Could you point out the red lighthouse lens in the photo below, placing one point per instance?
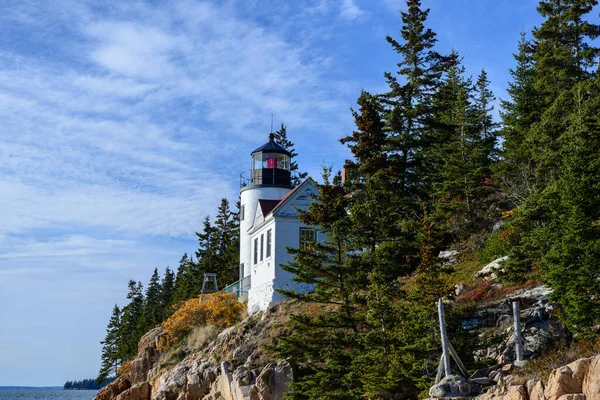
(271, 162)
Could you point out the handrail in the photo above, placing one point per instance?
(246, 178)
(239, 288)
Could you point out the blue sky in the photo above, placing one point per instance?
(122, 124)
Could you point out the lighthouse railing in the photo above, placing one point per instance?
(246, 179)
(239, 288)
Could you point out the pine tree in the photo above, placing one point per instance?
(110, 352)
(207, 248)
(563, 59)
(153, 309)
(410, 99)
(167, 292)
(131, 330)
(227, 244)
(516, 172)
(458, 155)
(282, 139)
(181, 278)
(571, 264)
(324, 342)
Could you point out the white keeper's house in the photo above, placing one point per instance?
(268, 224)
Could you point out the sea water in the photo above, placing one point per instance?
(46, 394)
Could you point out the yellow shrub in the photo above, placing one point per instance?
(217, 309)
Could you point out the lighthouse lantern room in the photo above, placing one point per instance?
(271, 165)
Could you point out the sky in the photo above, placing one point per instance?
(123, 123)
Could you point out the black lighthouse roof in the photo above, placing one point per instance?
(272, 147)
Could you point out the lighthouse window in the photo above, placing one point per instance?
(242, 212)
(270, 161)
(307, 236)
(269, 243)
(262, 246)
(255, 250)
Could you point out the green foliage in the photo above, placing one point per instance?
(110, 357)
(153, 311)
(553, 129)
(131, 327)
(282, 139)
(87, 384)
(498, 244)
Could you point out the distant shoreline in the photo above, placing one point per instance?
(30, 387)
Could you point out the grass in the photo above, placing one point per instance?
(465, 272)
(561, 355)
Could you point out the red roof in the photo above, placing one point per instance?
(267, 206)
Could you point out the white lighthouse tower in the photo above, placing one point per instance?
(269, 179)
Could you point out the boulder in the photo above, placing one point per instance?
(484, 381)
(450, 386)
(448, 257)
(272, 382)
(146, 356)
(112, 390)
(567, 380)
(591, 382)
(535, 389)
(137, 392)
(572, 396)
(489, 271)
(516, 392)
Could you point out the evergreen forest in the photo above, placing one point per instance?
(86, 384)
(434, 167)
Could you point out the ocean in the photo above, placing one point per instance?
(45, 394)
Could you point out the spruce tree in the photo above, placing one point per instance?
(181, 278)
(458, 155)
(563, 59)
(207, 248)
(227, 245)
(516, 172)
(167, 292)
(571, 264)
(409, 102)
(282, 139)
(324, 342)
(153, 309)
(110, 357)
(131, 329)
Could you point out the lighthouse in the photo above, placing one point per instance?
(269, 179)
(269, 224)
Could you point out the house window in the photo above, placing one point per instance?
(269, 243)
(307, 235)
(242, 212)
(262, 246)
(255, 250)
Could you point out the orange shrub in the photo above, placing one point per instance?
(478, 293)
(124, 369)
(217, 309)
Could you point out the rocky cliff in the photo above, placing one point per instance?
(234, 365)
(579, 380)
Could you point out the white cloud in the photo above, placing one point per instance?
(350, 10)
(128, 142)
(133, 49)
(395, 5)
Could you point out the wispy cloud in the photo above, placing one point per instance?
(129, 142)
(122, 124)
(350, 10)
